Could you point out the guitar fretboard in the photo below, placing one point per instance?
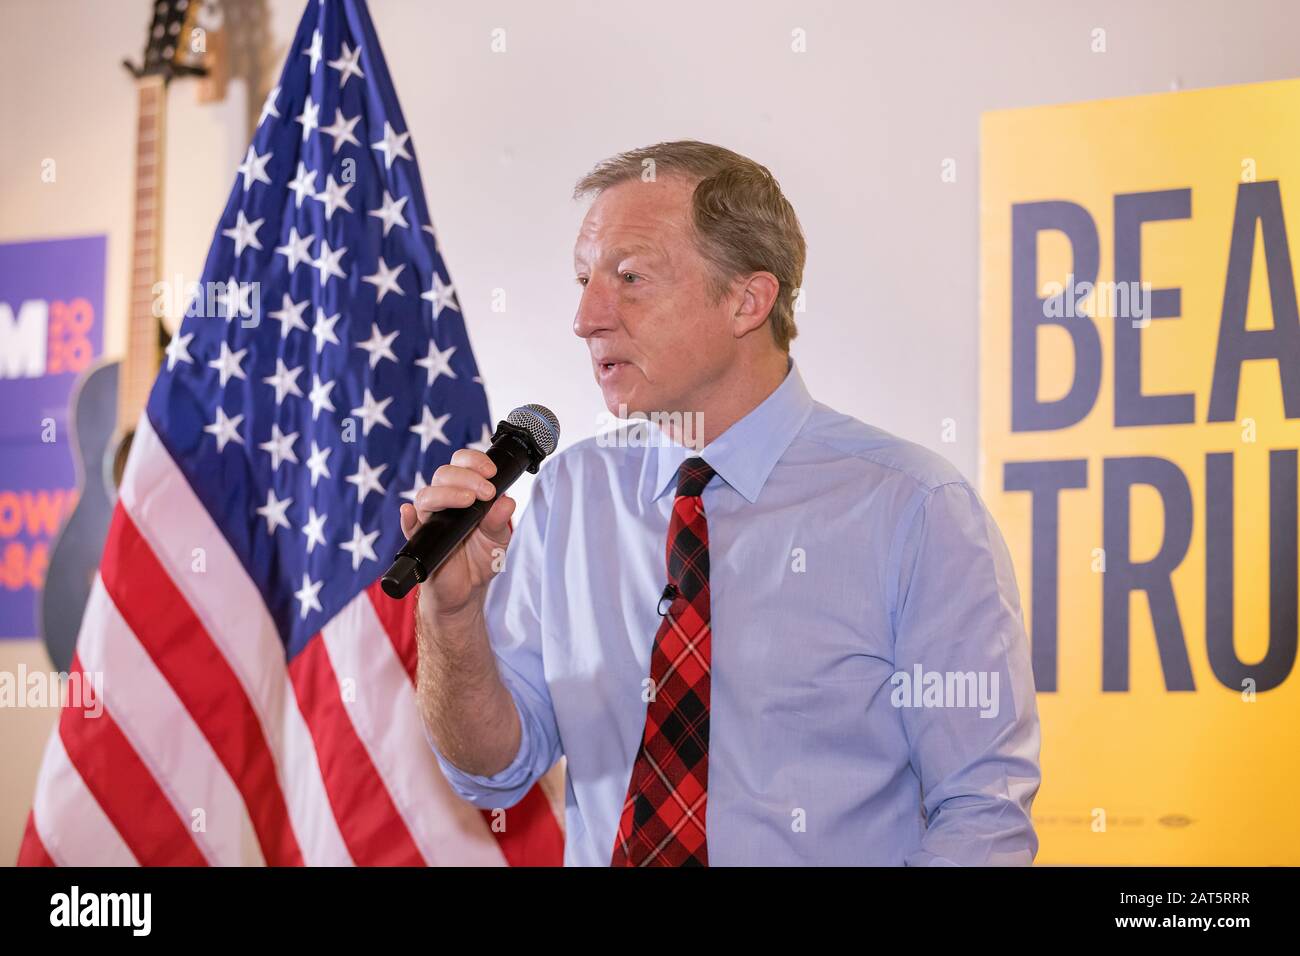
(140, 364)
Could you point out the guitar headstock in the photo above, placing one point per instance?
(175, 45)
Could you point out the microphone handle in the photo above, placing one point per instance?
(435, 540)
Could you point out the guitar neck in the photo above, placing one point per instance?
(140, 364)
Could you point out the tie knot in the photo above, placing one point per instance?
(692, 476)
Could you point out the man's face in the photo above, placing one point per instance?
(657, 340)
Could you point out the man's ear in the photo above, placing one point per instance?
(758, 292)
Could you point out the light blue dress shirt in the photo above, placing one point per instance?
(872, 696)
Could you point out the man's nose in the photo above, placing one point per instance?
(596, 311)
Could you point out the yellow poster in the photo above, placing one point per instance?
(1140, 419)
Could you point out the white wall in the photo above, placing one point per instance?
(856, 129)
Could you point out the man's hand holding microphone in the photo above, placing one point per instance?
(457, 531)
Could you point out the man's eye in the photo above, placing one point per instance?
(581, 280)
(630, 277)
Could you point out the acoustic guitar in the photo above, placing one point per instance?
(109, 399)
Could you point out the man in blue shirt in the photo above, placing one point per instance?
(759, 631)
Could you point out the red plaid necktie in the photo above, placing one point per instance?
(662, 823)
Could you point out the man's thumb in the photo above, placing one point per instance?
(496, 523)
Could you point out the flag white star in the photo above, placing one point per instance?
(442, 295)
(235, 298)
(429, 230)
(371, 412)
(334, 196)
(285, 380)
(437, 363)
(296, 250)
(361, 547)
(366, 479)
(244, 232)
(177, 350)
(314, 529)
(320, 395)
(484, 442)
(346, 64)
(227, 364)
(393, 145)
(309, 117)
(323, 329)
(384, 280)
(430, 428)
(280, 446)
(415, 489)
(268, 106)
(328, 262)
(253, 168)
(314, 51)
(378, 345)
(307, 595)
(390, 213)
(289, 315)
(226, 429)
(316, 462)
(341, 130)
(303, 185)
(273, 511)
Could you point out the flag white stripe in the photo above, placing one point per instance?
(384, 713)
(71, 824)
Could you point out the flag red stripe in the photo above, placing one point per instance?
(187, 657)
(125, 789)
(375, 833)
(32, 852)
(532, 836)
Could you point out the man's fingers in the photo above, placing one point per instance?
(464, 478)
(457, 484)
(495, 524)
(452, 487)
(474, 460)
(440, 497)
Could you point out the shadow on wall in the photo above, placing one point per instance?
(241, 48)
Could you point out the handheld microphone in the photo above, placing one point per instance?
(527, 435)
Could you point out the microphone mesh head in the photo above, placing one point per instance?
(540, 423)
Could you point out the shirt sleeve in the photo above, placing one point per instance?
(972, 727)
(514, 626)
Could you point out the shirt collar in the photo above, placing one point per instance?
(745, 454)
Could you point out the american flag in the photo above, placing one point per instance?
(257, 686)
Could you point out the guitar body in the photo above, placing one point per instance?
(74, 559)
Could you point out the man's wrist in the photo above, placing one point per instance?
(449, 627)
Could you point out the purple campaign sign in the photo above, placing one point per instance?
(51, 330)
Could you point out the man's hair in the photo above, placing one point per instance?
(743, 222)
